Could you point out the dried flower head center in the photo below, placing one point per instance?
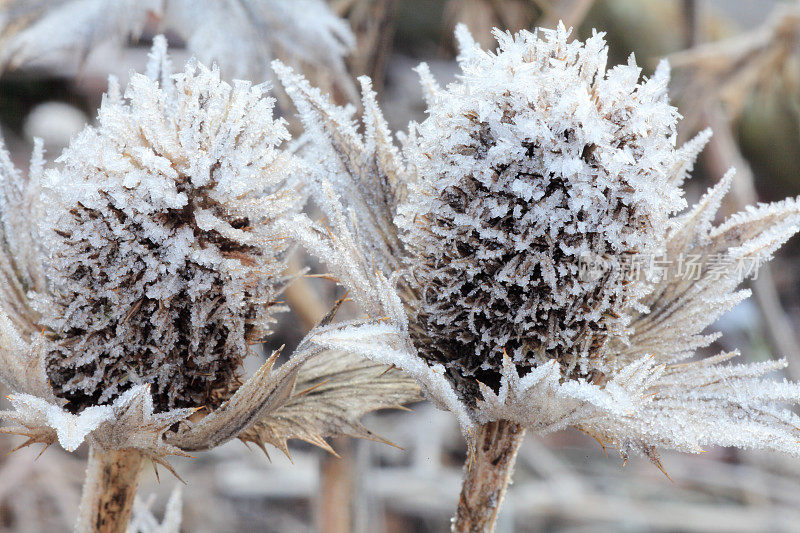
(165, 263)
(534, 161)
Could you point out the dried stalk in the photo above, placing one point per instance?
(373, 23)
(494, 449)
(335, 505)
(335, 500)
(108, 491)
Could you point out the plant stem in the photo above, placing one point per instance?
(487, 475)
(337, 486)
(111, 481)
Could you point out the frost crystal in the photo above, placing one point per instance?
(165, 259)
(472, 243)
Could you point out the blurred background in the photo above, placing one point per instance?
(736, 68)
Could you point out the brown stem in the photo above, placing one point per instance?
(487, 475)
(335, 507)
(108, 491)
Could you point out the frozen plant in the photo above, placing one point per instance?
(537, 158)
(142, 270)
(241, 36)
(143, 520)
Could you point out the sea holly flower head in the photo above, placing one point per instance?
(146, 266)
(536, 162)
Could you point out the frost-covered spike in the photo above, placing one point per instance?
(262, 393)
(467, 46)
(542, 401)
(384, 343)
(21, 264)
(661, 76)
(430, 87)
(751, 255)
(340, 249)
(36, 168)
(696, 224)
(754, 221)
(379, 147)
(686, 235)
(316, 110)
(687, 156)
(13, 354)
(713, 405)
(364, 171)
(22, 363)
(159, 64)
(135, 425)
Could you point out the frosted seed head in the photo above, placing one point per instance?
(165, 259)
(534, 161)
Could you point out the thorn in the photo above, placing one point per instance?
(168, 466)
(661, 467)
(272, 358)
(263, 448)
(320, 442)
(46, 445)
(318, 385)
(602, 445)
(393, 367)
(378, 438)
(328, 318)
(288, 455)
(23, 445)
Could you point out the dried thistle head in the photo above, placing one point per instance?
(166, 252)
(536, 160)
(165, 261)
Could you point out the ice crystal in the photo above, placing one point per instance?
(165, 258)
(536, 159)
